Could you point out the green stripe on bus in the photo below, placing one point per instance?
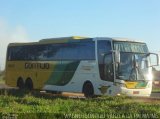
(141, 84)
(63, 73)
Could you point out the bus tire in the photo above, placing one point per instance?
(29, 84)
(20, 83)
(88, 90)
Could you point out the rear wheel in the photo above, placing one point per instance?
(88, 90)
(29, 84)
(20, 83)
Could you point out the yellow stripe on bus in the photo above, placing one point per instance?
(131, 84)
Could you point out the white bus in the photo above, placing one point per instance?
(93, 66)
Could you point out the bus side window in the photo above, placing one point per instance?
(103, 46)
(9, 54)
(16, 53)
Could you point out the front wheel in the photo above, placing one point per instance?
(88, 90)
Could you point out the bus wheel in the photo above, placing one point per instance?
(20, 83)
(29, 84)
(88, 90)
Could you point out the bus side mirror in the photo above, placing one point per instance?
(117, 56)
(154, 59)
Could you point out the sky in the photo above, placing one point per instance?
(32, 20)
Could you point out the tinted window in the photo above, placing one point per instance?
(68, 51)
(72, 51)
(30, 52)
(79, 51)
(104, 47)
(55, 51)
(16, 53)
(41, 52)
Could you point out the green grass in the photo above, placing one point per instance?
(156, 89)
(35, 106)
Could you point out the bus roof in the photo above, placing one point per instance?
(119, 39)
(54, 40)
(64, 39)
(72, 39)
(79, 38)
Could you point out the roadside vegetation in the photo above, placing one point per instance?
(27, 105)
(156, 89)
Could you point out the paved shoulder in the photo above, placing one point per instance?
(155, 95)
(2, 86)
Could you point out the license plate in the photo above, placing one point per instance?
(135, 92)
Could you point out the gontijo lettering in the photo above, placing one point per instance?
(36, 65)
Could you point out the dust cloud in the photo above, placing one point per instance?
(10, 34)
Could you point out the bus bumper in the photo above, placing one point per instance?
(136, 92)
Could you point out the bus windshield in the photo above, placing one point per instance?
(134, 61)
(133, 66)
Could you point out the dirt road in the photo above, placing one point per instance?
(153, 95)
(2, 86)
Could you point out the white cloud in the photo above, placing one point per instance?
(9, 35)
